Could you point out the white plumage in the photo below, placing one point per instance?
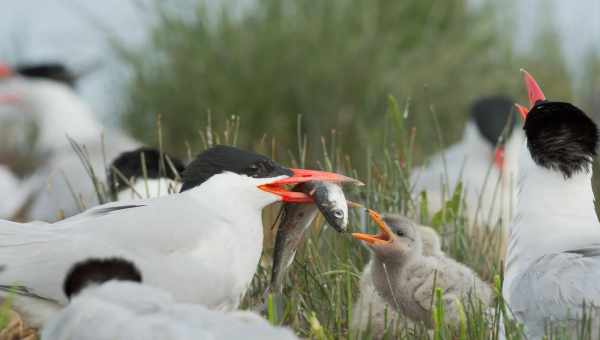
(13, 194)
(202, 245)
(118, 310)
(489, 193)
(65, 187)
(552, 266)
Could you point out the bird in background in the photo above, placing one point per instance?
(44, 94)
(552, 266)
(406, 279)
(371, 314)
(202, 245)
(485, 161)
(108, 300)
(144, 173)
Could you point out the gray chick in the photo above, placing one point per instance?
(405, 278)
(370, 312)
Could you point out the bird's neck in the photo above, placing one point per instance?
(60, 113)
(554, 214)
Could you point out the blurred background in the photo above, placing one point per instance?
(331, 64)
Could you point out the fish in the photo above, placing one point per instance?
(296, 219)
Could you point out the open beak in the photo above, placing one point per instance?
(302, 176)
(385, 233)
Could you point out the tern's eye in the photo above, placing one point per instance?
(258, 170)
(399, 233)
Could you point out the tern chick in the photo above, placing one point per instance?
(406, 279)
(370, 311)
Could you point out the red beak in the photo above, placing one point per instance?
(5, 71)
(534, 92)
(499, 158)
(523, 111)
(301, 176)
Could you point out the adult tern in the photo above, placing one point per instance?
(43, 94)
(201, 245)
(553, 259)
(109, 302)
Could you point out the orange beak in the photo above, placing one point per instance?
(499, 157)
(5, 71)
(385, 233)
(523, 111)
(302, 176)
(534, 93)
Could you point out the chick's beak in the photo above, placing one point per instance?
(385, 233)
(302, 176)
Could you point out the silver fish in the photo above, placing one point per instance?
(297, 217)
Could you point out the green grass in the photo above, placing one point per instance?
(333, 62)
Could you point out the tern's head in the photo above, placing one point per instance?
(560, 136)
(94, 271)
(397, 238)
(240, 173)
(494, 119)
(142, 166)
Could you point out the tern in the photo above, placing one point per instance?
(482, 161)
(45, 95)
(202, 245)
(13, 196)
(108, 301)
(144, 173)
(553, 258)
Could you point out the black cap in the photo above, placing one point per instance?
(560, 136)
(491, 115)
(51, 70)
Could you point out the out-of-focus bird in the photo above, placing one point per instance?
(201, 245)
(406, 279)
(485, 163)
(44, 93)
(144, 173)
(13, 193)
(109, 302)
(371, 314)
(553, 259)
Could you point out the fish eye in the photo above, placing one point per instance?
(338, 214)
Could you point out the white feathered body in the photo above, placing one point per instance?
(487, 191)
(202, 245)
(129, 311)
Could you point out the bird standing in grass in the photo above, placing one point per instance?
(202, 245)
(485, 161)
(109, 302)
(406, 279)
(552, 269)
(373, 315)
